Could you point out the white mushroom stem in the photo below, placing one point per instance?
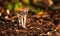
(24, 20)
(22, 17)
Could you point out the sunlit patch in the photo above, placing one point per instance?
(0, 14)
(8, 12)
(13, 20)
(6, 17)
(50, 2)
(39, 14)
(48, 33)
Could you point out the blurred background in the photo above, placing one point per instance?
(43, 18)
